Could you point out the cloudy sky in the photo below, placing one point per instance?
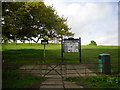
(90, 19)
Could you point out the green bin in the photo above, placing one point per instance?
(104, 65)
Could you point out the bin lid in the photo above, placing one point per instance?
(104, 54)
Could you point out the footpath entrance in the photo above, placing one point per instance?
(55, 74)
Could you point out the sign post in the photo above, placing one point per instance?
(71, 45)
(62, 50)
(80, 48)
(44, 42)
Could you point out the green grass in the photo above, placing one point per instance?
(27, 54)
(32, 54)
(15, 79)
(96, 81)
(17, 55)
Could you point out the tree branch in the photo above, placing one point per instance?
(33, 40)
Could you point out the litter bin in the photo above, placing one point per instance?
(104, 65)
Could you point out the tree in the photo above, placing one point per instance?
(93, 43)
(30, 20)
(9, 27)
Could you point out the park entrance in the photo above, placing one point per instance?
(58, 64)
(29, 59)
(69, 45)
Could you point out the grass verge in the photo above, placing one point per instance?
(97, 81)
(15, 79)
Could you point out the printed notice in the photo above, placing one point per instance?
(71, 46)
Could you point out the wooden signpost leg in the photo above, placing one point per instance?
(44, 50)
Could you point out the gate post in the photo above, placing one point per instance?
(80, 49)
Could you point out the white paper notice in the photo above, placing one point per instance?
(71, 46)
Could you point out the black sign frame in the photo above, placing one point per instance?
(71, 39)
(44, 42)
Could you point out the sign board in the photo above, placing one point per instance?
(45, 42)
(71, 46)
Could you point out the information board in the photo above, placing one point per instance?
(70, 46)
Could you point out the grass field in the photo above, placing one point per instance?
(20, 54)
(29, 54)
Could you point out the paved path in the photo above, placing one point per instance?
(55, 74)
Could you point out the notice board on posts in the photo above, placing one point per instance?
(71, 45)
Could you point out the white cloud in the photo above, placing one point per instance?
(54, 1)
(91, 21)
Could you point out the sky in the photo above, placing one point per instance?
(90, 19)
